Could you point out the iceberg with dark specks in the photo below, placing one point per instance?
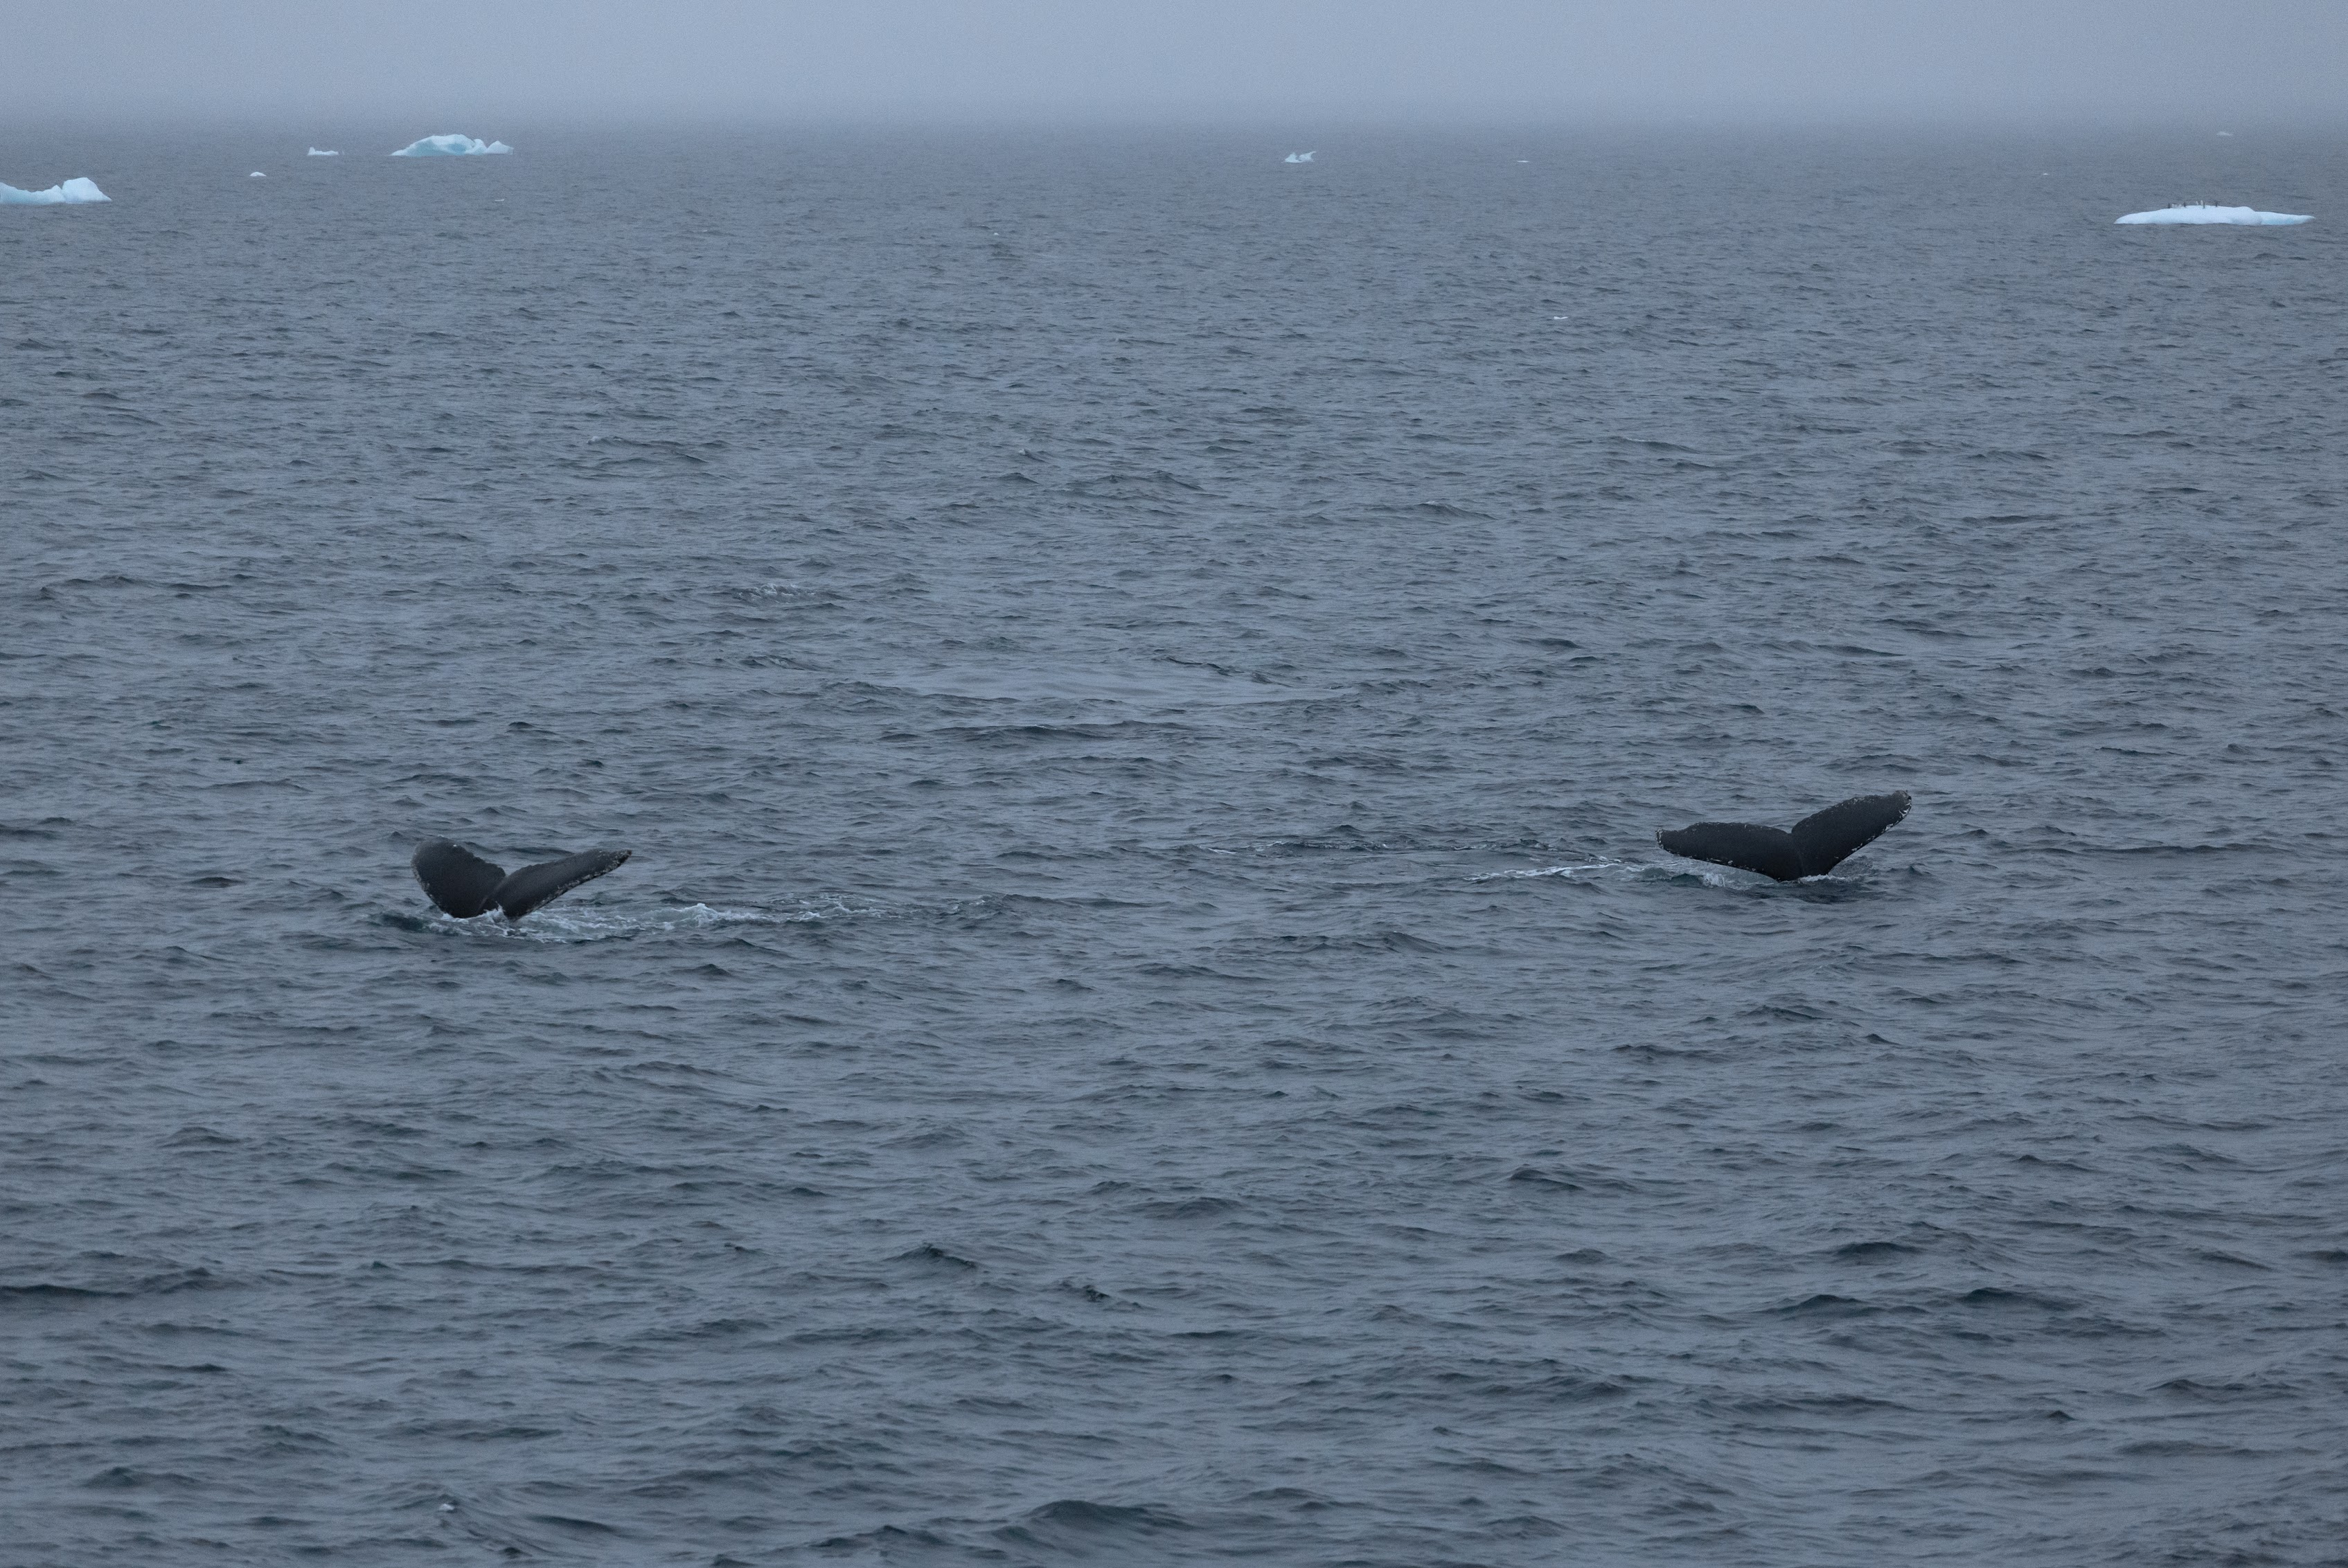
(2200, 212)
(72, 191)
(450, 147)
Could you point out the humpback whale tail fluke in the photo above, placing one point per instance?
(1818, 843)
(464, 884)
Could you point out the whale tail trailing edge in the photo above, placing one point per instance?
(1828, 838)
(535, 887)
(462, 884)
(1818, 843)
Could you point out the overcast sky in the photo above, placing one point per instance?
(490, 62)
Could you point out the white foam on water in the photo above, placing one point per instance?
(1613, 871)
(1545, 872)
(603, 922)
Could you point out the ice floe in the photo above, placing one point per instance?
(72, 191)
(450, 147)
(324, 152)
(1299, 157)
(2201, 212)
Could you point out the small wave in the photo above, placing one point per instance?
(1185, 685)
(44, 1291)
(1204, 1208)
(930, 1252)
(1077, 1526)
(168, 1283)
(882, 1539)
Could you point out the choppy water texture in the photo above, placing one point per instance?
(1146, 1022)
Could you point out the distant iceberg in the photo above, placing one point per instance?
(450, 147)
(326, 152)
(72, 191)
(256, 174)
(1299, 157)
(2200, 214)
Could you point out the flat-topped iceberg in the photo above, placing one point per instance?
(2200, 212)
(70, 191)
(450, 147)
(323, 152)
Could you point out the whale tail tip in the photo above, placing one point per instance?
(1826, 839)
(462, 883)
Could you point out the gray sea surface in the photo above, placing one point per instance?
(1147, 1023)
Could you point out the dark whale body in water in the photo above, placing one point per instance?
(1817, 844)
(464, 884)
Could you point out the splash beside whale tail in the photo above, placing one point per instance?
(464, 884)
(1818, 843)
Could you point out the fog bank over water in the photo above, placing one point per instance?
(1709, 60)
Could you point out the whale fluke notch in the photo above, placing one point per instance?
(1818, 843)
(462, 884)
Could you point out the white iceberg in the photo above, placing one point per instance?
(323, 152)
(450, 147)
(72, 191)
(257, 174)
(2200, 212)
(1299, 157)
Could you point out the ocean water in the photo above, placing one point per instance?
(1147, 1023)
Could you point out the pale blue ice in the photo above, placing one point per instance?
(452, 146)
(72, 191)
